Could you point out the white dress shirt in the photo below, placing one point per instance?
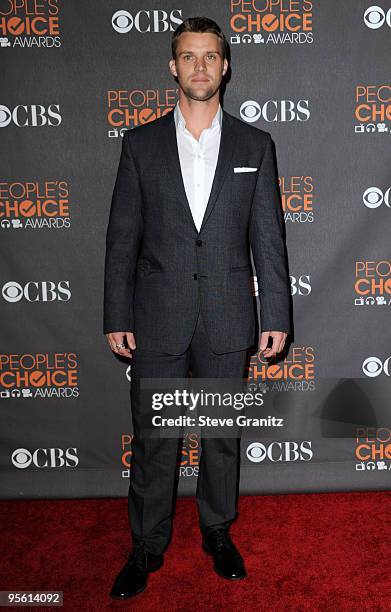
(198, 159)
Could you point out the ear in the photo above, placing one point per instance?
(225, 66)
(172, 67)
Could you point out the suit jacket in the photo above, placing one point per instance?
(159, 269)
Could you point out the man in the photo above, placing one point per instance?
(195, 189)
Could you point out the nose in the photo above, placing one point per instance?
(200, 65)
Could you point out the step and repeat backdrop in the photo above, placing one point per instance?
(75, 76)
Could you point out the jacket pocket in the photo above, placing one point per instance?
(154, 271)
(239, 268)
(146, 268)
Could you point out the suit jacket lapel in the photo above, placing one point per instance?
(174, 164)
(227, 147)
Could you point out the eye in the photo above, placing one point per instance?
(211, 56)
(187, 56)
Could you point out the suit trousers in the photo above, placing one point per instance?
(155, 467)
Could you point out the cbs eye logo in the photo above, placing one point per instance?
(375, 16)
(12, 292)
(122, 22)
(256, 452)
(250, 111)
(5, 116)
(21, 458)
(373, 197)
(373, 366)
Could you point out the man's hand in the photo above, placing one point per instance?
(115, 338)
(278, 342)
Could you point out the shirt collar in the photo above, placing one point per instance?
(181, 123)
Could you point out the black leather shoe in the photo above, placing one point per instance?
(133, 577)
(228, 562)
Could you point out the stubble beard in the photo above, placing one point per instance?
(191, 92)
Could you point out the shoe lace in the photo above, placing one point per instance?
(139, 556)
(219, 537)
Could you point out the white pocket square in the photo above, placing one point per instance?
(244, 169)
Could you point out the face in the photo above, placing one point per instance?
(199, 65)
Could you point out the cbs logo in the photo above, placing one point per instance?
(375, 16)
(280, 451)
(275, 110)
(44, 291)
(45, 457)
(373, 366)
(373, 197)
(33, 115)
(301, 285)
(146, 21)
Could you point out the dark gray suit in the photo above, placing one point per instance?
(187, 296)
(159, 268)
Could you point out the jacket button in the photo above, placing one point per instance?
(195, 276)
(199, 242)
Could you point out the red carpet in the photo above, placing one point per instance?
(326, 552)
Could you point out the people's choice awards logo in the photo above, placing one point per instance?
(373, 449)
(129, 108)
(146, 21)
(373, 283)
(34, 204)
(375, 16)
(294, 373)
(297, 197)
(373, 109)
(189, 463)
(275, 110)
(271, 22)
(29, 24)
(39, 375)
(373, 367)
